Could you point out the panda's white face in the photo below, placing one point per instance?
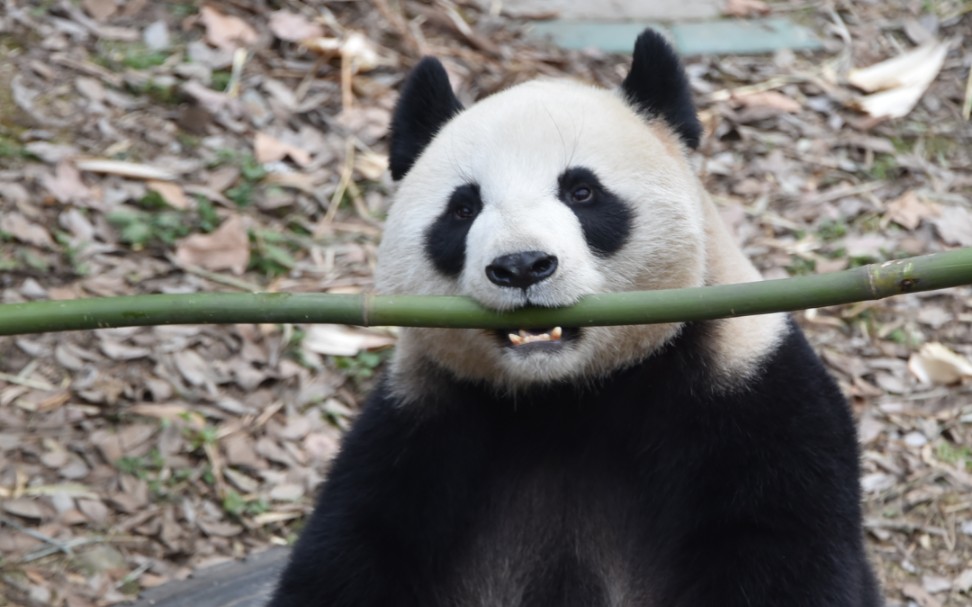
(537, 196)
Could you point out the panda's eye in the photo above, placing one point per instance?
(581, 193)
(463, 212)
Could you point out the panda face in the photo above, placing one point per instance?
(537, 196)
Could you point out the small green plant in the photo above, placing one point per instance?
(905, 337)
(251, 169)
(208, 219)
(7, 264)
(154, 222)
(251, 173)
(831, 230)
(11, 149)
(138, 228)
(238, 506)
(201, 437)
(953, 454)
(135, 55)
(152, 201)
(362, 367)
(33, 261)
(187, 141)
(884, 166)
(165, 94)
(269, 254)
(141, 466)
(140, 58)
(220, 80)
(863, 260)
(72, 253)
(800, 266)
(181, 10)
(242, 194)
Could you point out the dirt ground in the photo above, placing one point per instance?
(150, 147)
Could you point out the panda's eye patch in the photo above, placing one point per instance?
(605, 218)
(445, 238)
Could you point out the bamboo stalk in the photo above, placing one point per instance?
(876, 281)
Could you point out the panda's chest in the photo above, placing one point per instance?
(560, 524)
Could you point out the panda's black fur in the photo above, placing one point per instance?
(654, 484)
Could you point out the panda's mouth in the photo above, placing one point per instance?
(548, 338)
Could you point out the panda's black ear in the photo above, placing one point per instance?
(425, 104)
(658, 87)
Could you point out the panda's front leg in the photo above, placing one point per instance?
(382, 524)
(755, 566)
(769, 511)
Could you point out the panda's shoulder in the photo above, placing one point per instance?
(786, 381)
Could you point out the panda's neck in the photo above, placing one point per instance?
(737, 346)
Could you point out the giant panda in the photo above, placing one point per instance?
(693, 464)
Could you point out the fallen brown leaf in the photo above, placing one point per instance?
(227, 248)
(25, 231)
(355, 49)
(101, 10)
(898, 83)
(745, 8)
(24, 507)
(909, 210)
(954, 224)
(226, 32)
(341, 340)
(270, 149)
(934, 363)
(172, 193)
(293, 27)
(66, 185)
(769, 100)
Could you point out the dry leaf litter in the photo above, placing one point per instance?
(240, 145)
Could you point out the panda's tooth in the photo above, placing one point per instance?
(525, 337)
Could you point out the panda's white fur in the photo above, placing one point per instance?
(514, 144)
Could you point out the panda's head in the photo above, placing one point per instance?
(537, 196)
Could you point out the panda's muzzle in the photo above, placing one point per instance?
(522, 270)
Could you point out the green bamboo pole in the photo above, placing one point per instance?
(876, 281)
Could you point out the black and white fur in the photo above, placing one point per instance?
(682, 465)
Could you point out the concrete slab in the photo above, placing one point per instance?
(608, 37)
(741, 37)
(247, 583)
(614, 10)
(714, 37)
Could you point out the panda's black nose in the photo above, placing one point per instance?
(520, 270)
